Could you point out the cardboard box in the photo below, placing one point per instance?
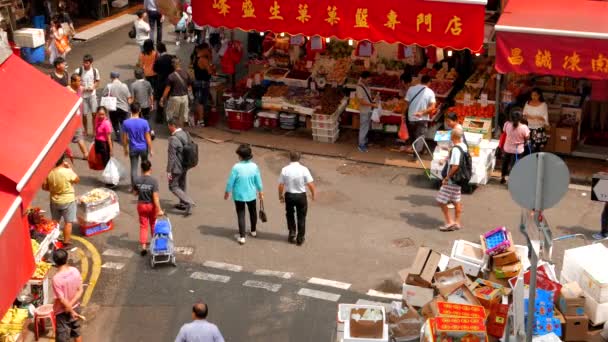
(550, 145)
(405, 327)
(597, 313)
(362, 327)
(427, 310)
(463, 295)
(497, 320)
(425, 265)
(347, 328)
(507, 271)
(506, 258)
(504, 282)
(457, 328)
(446, 309)
(487, 292)
(469, 267)
(417, 296)
(576, 328)
(478, 125)
(595, 336)
(446, 282)
(565, 139)
(571, 300)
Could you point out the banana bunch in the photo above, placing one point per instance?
(35, 246)
(42, 269)
(14, 316)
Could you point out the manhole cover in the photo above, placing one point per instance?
(402, 243)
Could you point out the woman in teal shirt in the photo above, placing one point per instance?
(245, 184)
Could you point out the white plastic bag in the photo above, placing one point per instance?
(113, 172)
(376, 113)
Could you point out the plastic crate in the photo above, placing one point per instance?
(324, 124)
(327, 138)
(96, 228)
(325, 117)
(240, 120)
(269, 122)
(33, 55)
(325, 131)
(496, 241)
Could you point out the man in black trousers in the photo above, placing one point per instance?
(163, 67)
(292, 191)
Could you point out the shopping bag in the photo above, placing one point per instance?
(263, 216)
(63, 45)
(113, 172)
(376, 113)
(404, 134)
(108, 101)
(95, 162)
(501, 141)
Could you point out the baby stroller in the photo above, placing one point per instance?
(162, 249)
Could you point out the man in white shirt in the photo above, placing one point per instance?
(89, 77)
(421, 103)
(155, 18)
(293, 181)
(142, 28)
(450, 192)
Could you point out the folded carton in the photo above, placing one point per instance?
(576, 328)
(406, 326)
(462, 295)
(497, 320)
(469, 268)
(416, 295)
(504, 282)
(571, 300)
(447, 309)
(505, 258)
(425, 265)
(487, 292)
(427, 310)
(448, 281)
(507, 271)
(459, 329)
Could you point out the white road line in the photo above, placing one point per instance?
(333, 297)
(210, 277)
(327, 282)
(263, 285)
(270, 273)
(184, 250)
(223, 266)
(113, 265)
(122, 253)
(374, 293)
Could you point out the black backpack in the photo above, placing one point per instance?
(189, 153)
(132, 32)
(465, 168)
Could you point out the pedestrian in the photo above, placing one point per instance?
(366, 103)
(450, 192)
(517, 133)
(199, 330)
(175, 97)
(123, 97)
(148, 203)
(146, 61)
(104, 146)
(136, 140)
(60, 184)
(89, 77)
(536, 113)
(293, 181)
(203, 69)
(163, 67)
(420, 104)
(176, 171)
(59, 43)
(142, 28)
(143, 93)
(604, 225)
(67, 290)
(59, 75)
(78, 138)
(244, 183)
(64, 18)
(156, 20)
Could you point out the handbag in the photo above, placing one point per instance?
(63, 45)
(262, 215)
(132, 32)
(108, 101)
(95, 162)
(502, 140)
(403, 134)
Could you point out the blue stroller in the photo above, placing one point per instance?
(162, 249)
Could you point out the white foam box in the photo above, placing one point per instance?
(594, 282)
(576, 258)
(29, 37)
(597, 313)
(470, 268)
(468, 251)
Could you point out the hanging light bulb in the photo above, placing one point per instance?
(477, 54)
(449, 53)
(261, 34)
(327, 40)
(282, 34)
(350, 42)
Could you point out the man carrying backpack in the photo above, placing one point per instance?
(456, 175)
(182, 156)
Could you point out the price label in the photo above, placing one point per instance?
(483, 99)
(249, 83)
(308, 64)
(467, 99)
(257, 79)
(272, 62)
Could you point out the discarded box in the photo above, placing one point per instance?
(594, 281)
(497, 320)
(496, 241)
(458, 328)
(505, 258)
(576, 258)
(463, 295)
(546, 325)
(468, 251)
(571, 300)
(360, 327)
(447, 309)
(416, 295)
(543, 304)
(469, 267)
(448, 281)
(576, 328)
(487, 292)
(565, 139)
(425, 265)
(427, 310)
(597, 313)
(507, 271)
(405, 327)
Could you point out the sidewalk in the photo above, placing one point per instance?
(581, 169)
(105, 25)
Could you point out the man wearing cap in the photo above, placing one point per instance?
(123, 97)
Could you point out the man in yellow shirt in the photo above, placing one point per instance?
(60, 183)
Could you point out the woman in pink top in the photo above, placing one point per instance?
(517, 134)
(103, 135)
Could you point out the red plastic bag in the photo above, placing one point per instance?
(95, 162)
(404, 134)
(501, 142)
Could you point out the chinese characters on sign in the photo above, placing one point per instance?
(454, 26)
(424, 19)
(248, 10)
(332, 15)
(516, 57)
(572, 62)
(543, 59)
(222, 6)
(361, 18)
(600, 64)
(391, 21)
(303, 11)
(275, 11)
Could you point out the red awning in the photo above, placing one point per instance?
(457, 24)
(554, 37)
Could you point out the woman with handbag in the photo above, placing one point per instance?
(244, 184)
(103, 136)
(59, 42)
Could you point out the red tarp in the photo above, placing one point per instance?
(457, 24)
(39, 119)
(557, 37)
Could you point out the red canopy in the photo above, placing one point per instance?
(39, 120)
(555, 37)
(457, 24)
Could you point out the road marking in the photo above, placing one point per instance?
(374, 293)
(333, 297)
(263, 285)
(210, 277)
(327, 282)
(84, 264)
(184, 250)
(223, 266)
(270, 273)
(95, 270)
(113, 265)
(122, 253)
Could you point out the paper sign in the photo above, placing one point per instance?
(467, 99)
(308, 64)
(483, 99)
(316, 43)
(257, 79)
(249, 83)
(408, 52)
(296, 40)
(365, 49)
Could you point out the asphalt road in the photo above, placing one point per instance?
(366, 225)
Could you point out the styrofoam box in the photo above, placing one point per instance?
(576, 258)
(29, 37)
(594, 282)
(469, 267)
(348, 338)
(269, 115)
(597, 313)
(460, 246)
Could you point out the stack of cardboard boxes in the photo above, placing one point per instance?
(572, 305)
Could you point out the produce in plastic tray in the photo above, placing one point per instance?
(96, 199)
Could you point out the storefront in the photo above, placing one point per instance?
(29, 149)
(571, 48)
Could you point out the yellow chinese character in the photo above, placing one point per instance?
(361, 18)
(454, 26)
(516, 57)
(303, 10)
(332, 15)
(392, 21)
(600, 64)
(275, 11)
(572, 62)
(543, 59)
(248, 10)
(222, 6)
(424, 19)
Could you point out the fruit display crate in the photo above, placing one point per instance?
(52, 236)
(327, 131)
(327, 138)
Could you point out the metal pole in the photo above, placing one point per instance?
(498, 103)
